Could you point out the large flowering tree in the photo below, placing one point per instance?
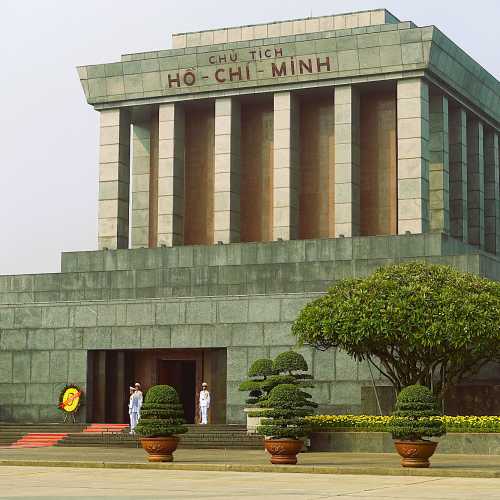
(415, 323)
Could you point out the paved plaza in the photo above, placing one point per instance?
(52, 482)
(231, 460)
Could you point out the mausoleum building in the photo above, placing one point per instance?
(241, 172)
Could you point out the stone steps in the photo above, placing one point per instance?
(38, 440)
(210, 436)
(30, 435)
(297, 266)
(198, 436)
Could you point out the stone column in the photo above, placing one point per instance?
(458, 174)
(120, 397)
(413, 155)
(491, 192)
(171, 174)
(347, 161)
(141, 142)
(114, 178)
(475, 181)
(285, 167)
(439, 172)
(227, 170)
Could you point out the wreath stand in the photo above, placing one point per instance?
(69, 416)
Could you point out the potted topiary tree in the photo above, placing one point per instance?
(283, 425)
(413, 422)
(162, 417)
(288, 367)
(257, 373)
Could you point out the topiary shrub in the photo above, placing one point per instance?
(289, 362)
(412, 420)
(287, 406)
(258, 373)
(289, 368)
(162, 414)
(261, 368)
(254, 389)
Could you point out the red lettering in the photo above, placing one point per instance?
(308, 66)
(219, 78)
(325, 64)
(236, 73)
(174, 80)
(189, 78)
(281, 71)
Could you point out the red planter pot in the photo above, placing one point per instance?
(415, 453)
(283, 451)
(160, 449)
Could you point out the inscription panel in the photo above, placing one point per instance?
(228, 66)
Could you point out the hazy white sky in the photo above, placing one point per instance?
(48, 134)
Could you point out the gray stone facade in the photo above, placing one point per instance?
(223, 151)
(242, 297)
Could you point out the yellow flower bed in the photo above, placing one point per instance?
(376, 423)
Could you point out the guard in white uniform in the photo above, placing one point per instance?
(204, 403)
(134, 406)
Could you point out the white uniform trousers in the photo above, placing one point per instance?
(134, 418)
(204, 414)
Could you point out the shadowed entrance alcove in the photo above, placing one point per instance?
(111, 372)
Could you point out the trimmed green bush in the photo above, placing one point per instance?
(286, 407)
(287, 368)
(258, 373)
(162, 414)
(261, 368)
(412, 420)
(289, 362)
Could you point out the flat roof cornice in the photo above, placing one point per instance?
(370, 53)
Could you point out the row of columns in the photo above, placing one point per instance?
(447, 170)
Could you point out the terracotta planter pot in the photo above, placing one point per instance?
(415, 453)
(283, 451)
(160, 449)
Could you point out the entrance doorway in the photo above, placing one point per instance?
(181, 375)
(111, 372)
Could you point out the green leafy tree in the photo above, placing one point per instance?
(162, 414)
(415, 407)
(415, 323)
(285, 409)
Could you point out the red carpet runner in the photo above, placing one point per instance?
(38, 440)
(41, 439)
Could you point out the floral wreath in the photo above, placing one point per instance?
(70, 398)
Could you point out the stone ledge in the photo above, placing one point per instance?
(297, 469)
(381, 442)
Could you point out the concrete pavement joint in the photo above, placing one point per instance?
(378, 471)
